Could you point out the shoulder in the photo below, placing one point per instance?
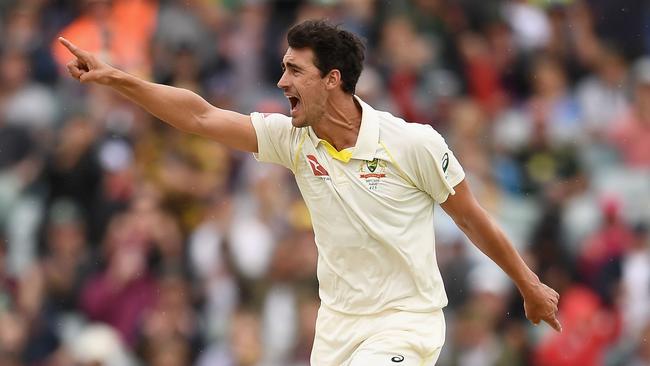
(275, 122)
(407, 137)
(271, 117)
(275, 130)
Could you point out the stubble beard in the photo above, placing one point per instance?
(309, 119)
(299, 124)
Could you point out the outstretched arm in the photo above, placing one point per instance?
(540, 301)
(180, 108)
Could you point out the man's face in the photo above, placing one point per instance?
(303, 86)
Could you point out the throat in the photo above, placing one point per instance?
(337, 136)
(340, 124)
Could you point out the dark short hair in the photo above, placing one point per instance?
(333, 48)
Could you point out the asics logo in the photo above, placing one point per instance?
(398, 358)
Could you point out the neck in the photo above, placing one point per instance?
(341, 121)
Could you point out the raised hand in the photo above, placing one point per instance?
(87, 67)
(540, 303)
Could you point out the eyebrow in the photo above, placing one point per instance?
(291, 65)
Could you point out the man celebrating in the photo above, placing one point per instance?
(370, 181)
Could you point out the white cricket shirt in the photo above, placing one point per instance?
(372, 214)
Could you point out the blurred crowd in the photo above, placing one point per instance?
(124, 242)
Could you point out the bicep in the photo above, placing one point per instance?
(462, 205)
(232, 129)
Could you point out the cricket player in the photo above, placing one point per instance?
(370, 181)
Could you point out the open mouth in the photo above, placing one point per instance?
(295, 103)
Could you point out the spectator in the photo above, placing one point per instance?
(119, 30)
(125, 289)
(98, 344)
(588, 329)
(600, 255)
(630, 131)
(635, 284)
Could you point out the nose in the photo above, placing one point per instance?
(283, 83)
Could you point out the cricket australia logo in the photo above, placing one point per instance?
(372, 165)
(372, 171)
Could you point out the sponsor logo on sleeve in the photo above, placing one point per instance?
(445, 162)
(445, 165)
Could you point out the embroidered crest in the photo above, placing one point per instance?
(372, 165)
(372, 171)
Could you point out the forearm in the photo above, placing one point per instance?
(540, 301)
(491, 240)
(178, 107)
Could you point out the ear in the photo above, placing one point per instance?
(333, 79)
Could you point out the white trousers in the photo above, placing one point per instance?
(390, 338)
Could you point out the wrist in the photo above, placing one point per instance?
(117, 78)
(528, 284)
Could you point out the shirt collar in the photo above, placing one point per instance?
(368, 138)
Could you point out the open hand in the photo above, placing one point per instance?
(87, 67)
(540, 303)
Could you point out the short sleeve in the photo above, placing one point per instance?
(435, 168)
(275, 138)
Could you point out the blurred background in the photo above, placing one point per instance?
(124, 242)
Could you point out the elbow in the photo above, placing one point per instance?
(201, 112)
(199, 122)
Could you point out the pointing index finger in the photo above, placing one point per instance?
(555, 323)
(71, 47)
